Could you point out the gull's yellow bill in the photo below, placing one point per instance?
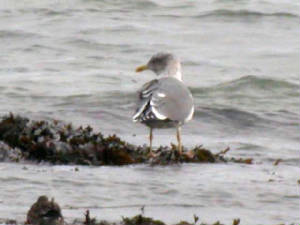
(141, 68)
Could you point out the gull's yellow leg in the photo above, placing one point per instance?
(179, 140)
(150, 140)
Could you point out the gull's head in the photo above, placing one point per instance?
(163, 64)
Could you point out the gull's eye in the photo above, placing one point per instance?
(155, 61)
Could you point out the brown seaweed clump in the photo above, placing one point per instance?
(45, 212)
(141, 220)
(59, 143)
(9, 154)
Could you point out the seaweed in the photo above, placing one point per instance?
(136, 220)
(45, 212)
(141, 220)
(184, 223)
(60, 143)
(276, 163)
(8, 222)
(36, 216)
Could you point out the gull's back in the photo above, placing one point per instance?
(165, 102)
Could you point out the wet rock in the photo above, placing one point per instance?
(45, 212)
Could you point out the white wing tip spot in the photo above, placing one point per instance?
(162, 95)
(158, 115)
(190, 116)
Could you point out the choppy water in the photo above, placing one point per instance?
(75, 60)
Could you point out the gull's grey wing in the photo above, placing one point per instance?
(173, 100)
(164, 99)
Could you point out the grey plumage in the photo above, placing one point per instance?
(164, 102)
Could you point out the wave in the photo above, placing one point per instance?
(244, 13)
(251, 84)
(17, 34)
(238, 118)
(226, 13)
(259, 83)
(245, 102)
(233, 116)
(48, 11)
(127, 4)
(92, 44)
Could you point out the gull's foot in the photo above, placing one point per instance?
(189, 154)
(152, 154)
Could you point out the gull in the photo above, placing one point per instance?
(165, 102)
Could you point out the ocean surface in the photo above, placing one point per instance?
(75, 61)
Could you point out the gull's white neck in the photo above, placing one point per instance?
(175, 71)
(177, 75)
